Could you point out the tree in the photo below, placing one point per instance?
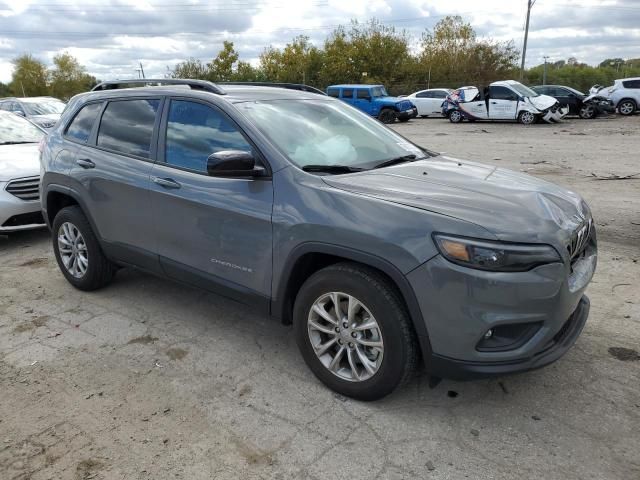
(299, 62)
(68, 77)
(5, 91)
(220, 69)
(456, 57)
(190, 68)
(29, 77)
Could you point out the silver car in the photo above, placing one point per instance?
(19, 174)
(43, 111)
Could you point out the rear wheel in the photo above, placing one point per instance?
(527, 118)
(354, 332)
(455, 116)
(587, 111)
(78, 252)
(387, 115)
(627, 107)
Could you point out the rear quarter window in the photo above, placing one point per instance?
(80, 127)
(333, 92)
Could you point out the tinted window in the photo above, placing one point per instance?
(347, 93)
(439, 94)
(4, 106)
(631, 84)
(127, 126)
(80, 127)
(501, 93)
(195, 131)
(363, 94)
(424, 95)
(333, 92)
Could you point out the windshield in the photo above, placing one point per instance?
(379, 92)
(15, 129)
(320, 132)
(522, 90)
(43, 107)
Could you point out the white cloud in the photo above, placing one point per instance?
(111, 37)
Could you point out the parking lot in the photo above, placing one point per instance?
(147, 379)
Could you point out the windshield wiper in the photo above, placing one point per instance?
(335, 169)
(394, 161)
(15, 143)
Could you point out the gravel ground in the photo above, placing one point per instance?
(147, 379)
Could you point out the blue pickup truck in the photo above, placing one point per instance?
(374, 100)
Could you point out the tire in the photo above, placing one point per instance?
(424, 116)
(455, 116)
(527, 118)
(98, 270)
(627, 107)
(392, 362)
(387, 115)
(587, 111)
(403, 120)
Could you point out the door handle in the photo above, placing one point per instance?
(85, 163)
(166, 182)
(494, 103)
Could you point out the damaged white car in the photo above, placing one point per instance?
(504, 100)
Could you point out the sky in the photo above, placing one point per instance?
(110, 38)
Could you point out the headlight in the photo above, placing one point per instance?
(494, 256)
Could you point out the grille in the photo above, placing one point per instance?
(580, 239)
(25, 188)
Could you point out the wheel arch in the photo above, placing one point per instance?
(58, 197)
(310, 257)
(630, 99)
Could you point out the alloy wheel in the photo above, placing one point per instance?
(455, 116)
(626, 108)
(345, 336)
(73, 250)
(527, 118)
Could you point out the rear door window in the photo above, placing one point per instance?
(333, 92)
(439, 94)
(347, 93)
(80, 127)
(127, 126)
(631, 84)
(363, 94)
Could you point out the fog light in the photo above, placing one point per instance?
(489, 334)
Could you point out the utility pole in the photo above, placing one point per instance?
(544, 72)
(530, 4)
(142, 70)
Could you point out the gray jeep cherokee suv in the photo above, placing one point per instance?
(379, 251)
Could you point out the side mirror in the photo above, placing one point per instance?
(233, 163)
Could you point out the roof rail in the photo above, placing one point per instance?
(155, 82)
(290, 86)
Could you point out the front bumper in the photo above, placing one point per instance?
(17, 214)
(554, 115)
(460, 305)
(407, 114)
(564, 339)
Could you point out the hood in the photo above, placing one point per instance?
(45, 121)
(510, 205)
(542, 102)
(18, 161)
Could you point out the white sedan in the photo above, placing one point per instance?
(429, 102)
(19, 174)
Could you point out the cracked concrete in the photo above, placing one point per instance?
(148, 379)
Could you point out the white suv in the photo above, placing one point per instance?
(625, 95)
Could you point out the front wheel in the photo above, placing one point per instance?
(78, 252)
(387, 116)
(627, 107)
(587, 111)
(354, 332)
(527, 118)
(455, 116)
